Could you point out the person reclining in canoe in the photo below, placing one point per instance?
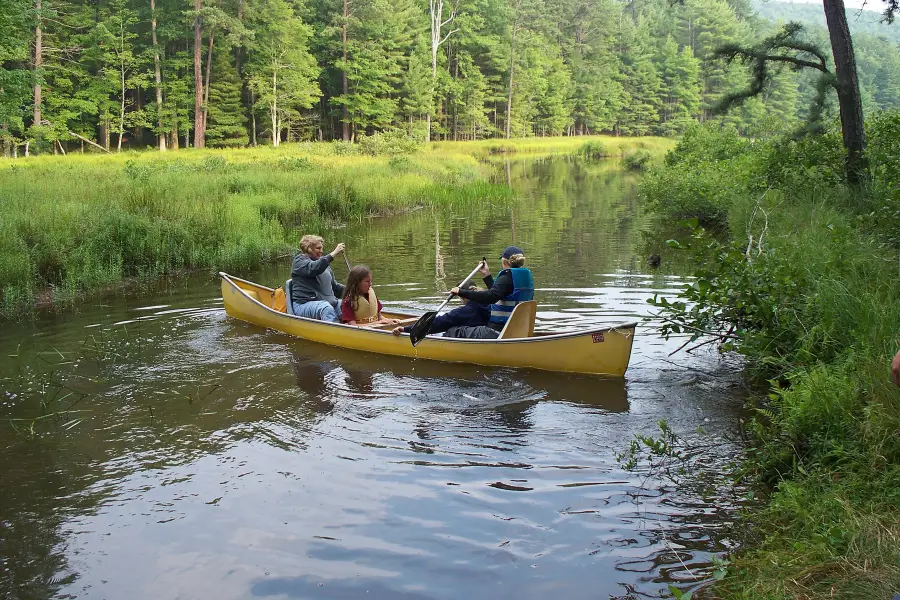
(470, 314)
(314, 292)
(514, 284)
(360, 305)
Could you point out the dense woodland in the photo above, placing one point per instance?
(225, 73)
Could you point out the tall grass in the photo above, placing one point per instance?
(82, 222)
(573, 145)
(816, 305)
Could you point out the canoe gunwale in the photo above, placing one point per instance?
(544, 337)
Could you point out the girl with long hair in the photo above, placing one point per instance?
(360, 306)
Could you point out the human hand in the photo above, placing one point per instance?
(455, 291)
(397, 330)
(338, 249)
(895, 369)
(484, 269)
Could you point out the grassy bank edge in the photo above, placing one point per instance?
(817, 312)
(78, 226)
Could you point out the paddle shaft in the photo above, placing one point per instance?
(346, 260)
(475, 270)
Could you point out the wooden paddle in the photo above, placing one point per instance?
(421, 327)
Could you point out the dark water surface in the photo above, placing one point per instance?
(207, 458)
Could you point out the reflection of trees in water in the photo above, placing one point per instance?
(439, 274)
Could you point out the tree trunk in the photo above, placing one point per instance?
(852, 126)
(345, 126)
(276, 134)
(157, 76)
(512, 64)
(212, 35)
(436, 12)
(199, 133)
(122, 82)
(252, 120)
(104, 131)
(38, 56)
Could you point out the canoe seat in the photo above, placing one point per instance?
(287, 292)
(521, 321)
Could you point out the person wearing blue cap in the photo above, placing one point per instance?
(514, 284)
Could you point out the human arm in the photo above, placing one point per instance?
(499, 289)
(382, 319)
(304, 266)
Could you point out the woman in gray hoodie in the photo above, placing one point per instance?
(314, 292)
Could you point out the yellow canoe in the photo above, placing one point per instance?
(600, 351)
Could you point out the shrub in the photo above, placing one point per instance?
(593, 150)
(707, 143)
(388, 143)
(638, 160)
(342, 148)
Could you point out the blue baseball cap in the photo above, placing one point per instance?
(510, 250)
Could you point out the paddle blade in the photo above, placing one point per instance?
(421, 328)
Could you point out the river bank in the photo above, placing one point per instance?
(78, 224)
(804, 286)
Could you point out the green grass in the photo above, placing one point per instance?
(81, 223)
(817, 312)
(574, 145)
(73, 225)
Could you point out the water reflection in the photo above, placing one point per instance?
(327, 373)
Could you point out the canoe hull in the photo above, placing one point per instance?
(603, 351)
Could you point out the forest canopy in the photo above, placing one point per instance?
(167, 73)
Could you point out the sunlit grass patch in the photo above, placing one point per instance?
(81, 223)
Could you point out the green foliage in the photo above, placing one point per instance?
(388, 143)
(804, 289)
(593, 150)
(881, 213)
(536, 67)
(863, 23)
(227, 124)
(637, 160)
(703, 176)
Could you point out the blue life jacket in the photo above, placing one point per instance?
(523, 290)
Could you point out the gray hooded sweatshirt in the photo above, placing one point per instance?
(314, 280)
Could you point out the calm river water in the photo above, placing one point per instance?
(203, 457)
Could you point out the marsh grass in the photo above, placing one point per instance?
(81, 223)
(593, 146)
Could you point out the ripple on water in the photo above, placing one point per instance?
(222, 460)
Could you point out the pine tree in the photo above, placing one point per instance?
(641, 83)
(587, 44)
(227, 123)
(680, 73)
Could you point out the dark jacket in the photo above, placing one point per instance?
(468, 315)
(314, 280)
(497, 290)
